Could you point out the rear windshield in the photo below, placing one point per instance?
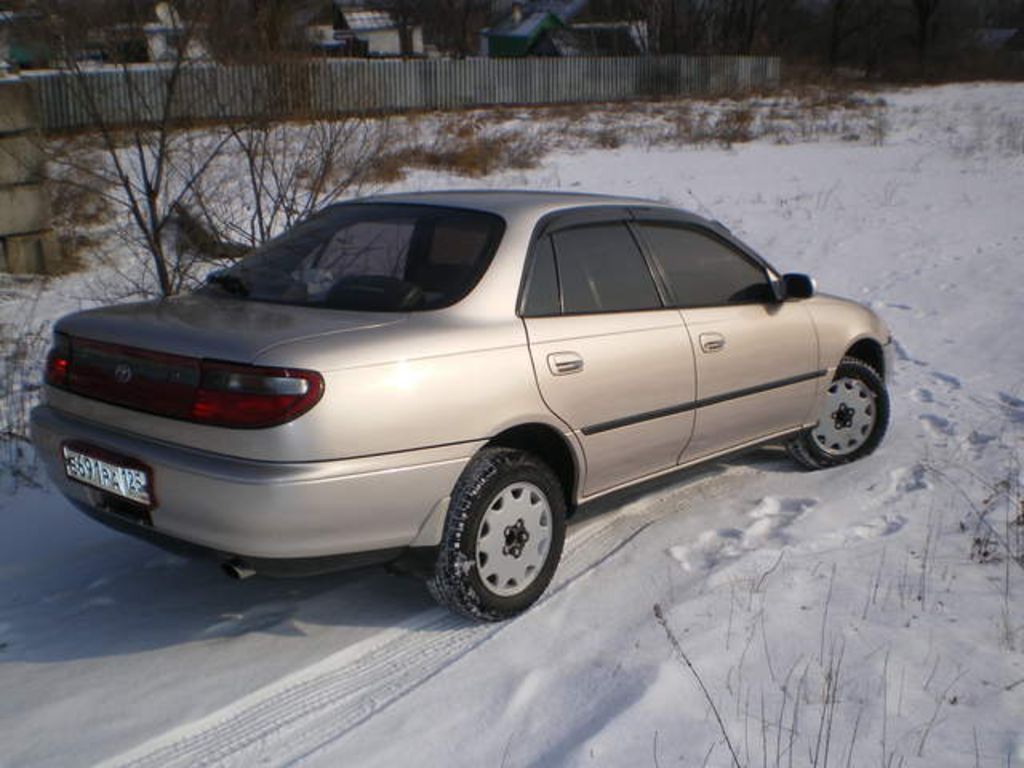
(381, 258)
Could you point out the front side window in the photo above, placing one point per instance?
(369, 257)
(701, 271)
(601, 269)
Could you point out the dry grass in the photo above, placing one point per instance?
(464, 149)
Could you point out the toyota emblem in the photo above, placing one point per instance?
(123, 373)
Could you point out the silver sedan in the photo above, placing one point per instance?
(445, 378)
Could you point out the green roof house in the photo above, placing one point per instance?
(528, 29)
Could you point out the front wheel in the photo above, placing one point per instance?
(852, 421)
(503, 536)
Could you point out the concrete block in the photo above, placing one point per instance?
(21, 160)
(35, 254)
(17, 110)
(23, 208)
(53, 254)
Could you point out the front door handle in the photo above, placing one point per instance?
(712, 342)
(562, 363)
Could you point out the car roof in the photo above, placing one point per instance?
(511, 203)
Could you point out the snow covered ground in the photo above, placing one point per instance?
(865, 615)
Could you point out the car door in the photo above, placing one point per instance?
(611, 361)
(756, 356)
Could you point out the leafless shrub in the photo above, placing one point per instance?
(465, 153)
(879, 122)
(659, 615)
(606, 138)
(22, 350)
(735, 126)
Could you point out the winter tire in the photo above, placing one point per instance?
(503, 536)
(853, 419)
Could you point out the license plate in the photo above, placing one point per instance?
(108, 474)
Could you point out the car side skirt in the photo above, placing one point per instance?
(732, 451)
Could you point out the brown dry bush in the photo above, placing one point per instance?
(735, 126)
(465, 153)
(606, 138)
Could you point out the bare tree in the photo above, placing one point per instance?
(185, 198)
(455, 25)
(877, 34)
(683, 26)
(148, 167)
(925, 15)
(739, 23)
(248, 31)
(281, 172)
(280, 161)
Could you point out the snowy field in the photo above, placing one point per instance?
(866, 615)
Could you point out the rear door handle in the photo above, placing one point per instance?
(712, 342)
(562, 363)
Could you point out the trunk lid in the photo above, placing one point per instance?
(214, 328)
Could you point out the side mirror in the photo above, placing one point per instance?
(798, 286)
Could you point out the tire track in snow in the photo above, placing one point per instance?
(294, 717)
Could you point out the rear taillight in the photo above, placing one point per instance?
(58, 361)
(231, 395)
(180, 387)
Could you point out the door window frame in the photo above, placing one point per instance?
(581, 218)
(633, 218)
(771, 278)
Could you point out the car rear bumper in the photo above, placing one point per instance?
(257, 509)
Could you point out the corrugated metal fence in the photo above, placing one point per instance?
(202, 92)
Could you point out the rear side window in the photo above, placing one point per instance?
(601, 269)
(541, 297)
(384, 258)
(701, 271)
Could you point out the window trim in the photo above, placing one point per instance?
(770, 275)
(575, 218)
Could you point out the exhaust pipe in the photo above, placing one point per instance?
(237, 570)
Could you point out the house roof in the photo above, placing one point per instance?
(534, 16)
(368, 19)
(528, 26)
(563, 9)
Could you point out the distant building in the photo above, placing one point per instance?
(366, 30)
(164, 37)
(20, 41)
(382, 33)
(6, 21)
(521, 34)
(551, 28)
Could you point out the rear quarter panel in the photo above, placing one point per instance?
(436, 380)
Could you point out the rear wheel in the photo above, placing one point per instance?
(852, 422)
(503, 536)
